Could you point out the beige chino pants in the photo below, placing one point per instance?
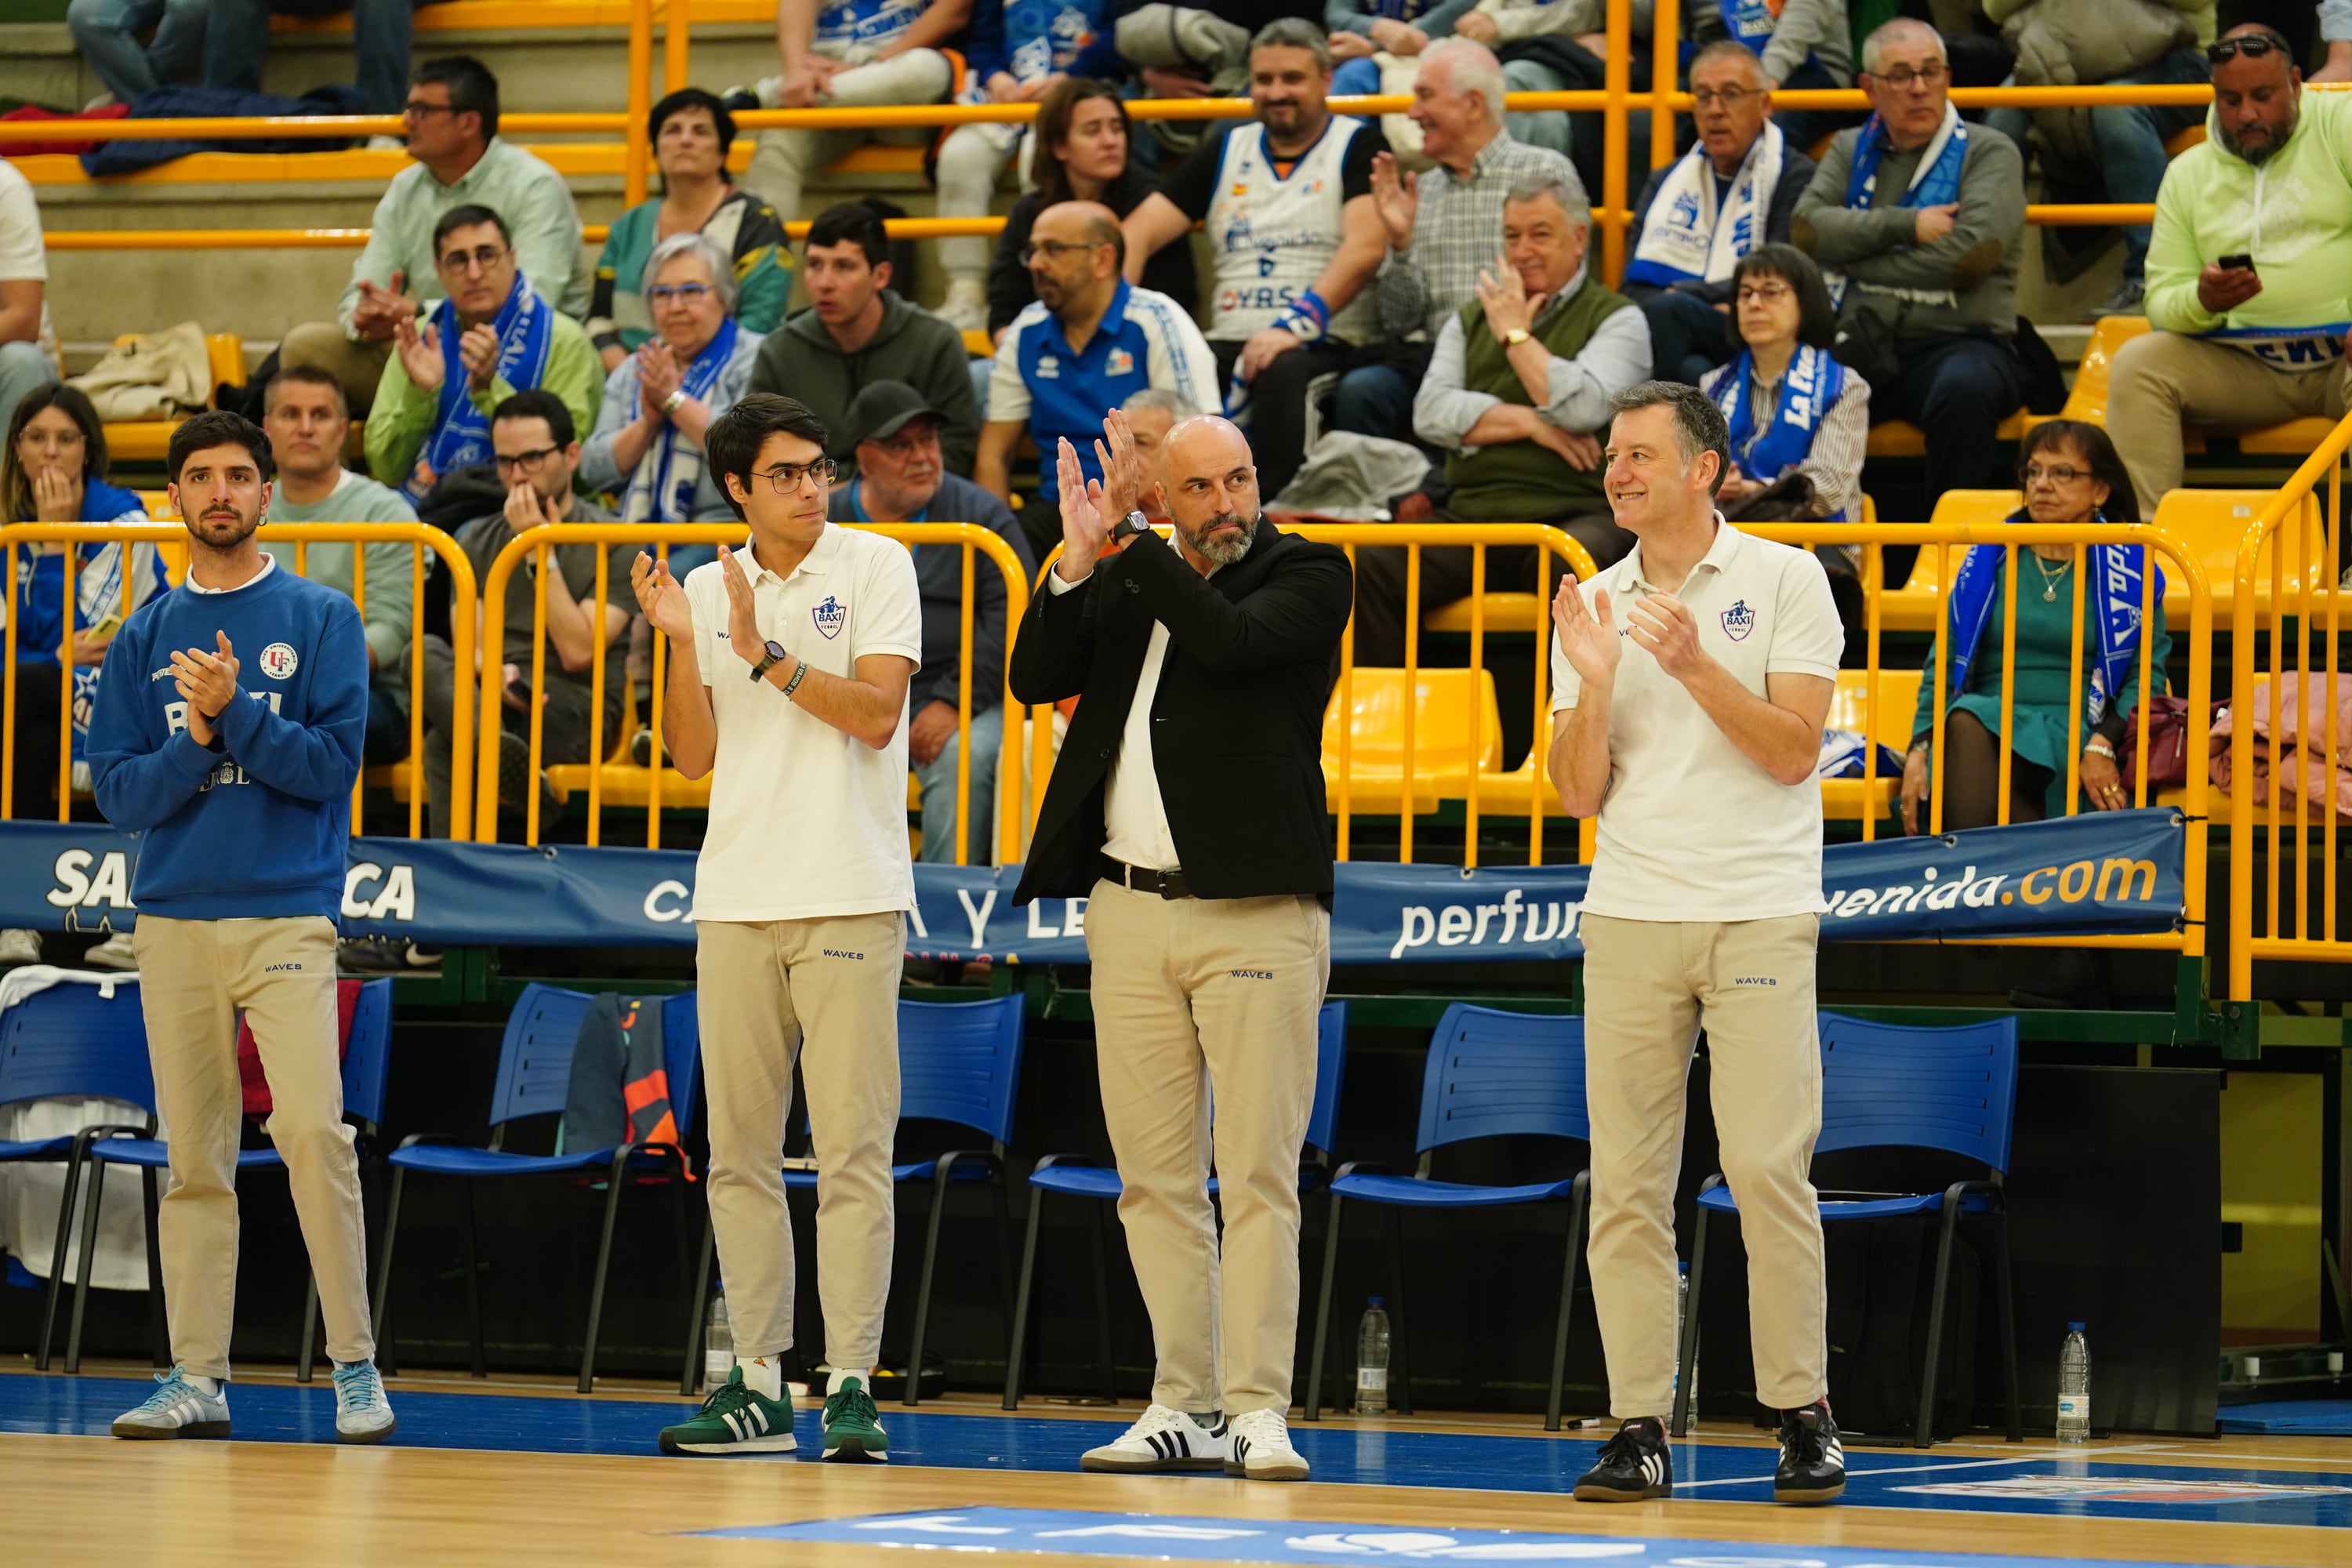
(1648, 988)
(2161, 379)
(824, 992)
(1231, 986)
(193, 976)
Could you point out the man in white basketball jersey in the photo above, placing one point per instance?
(1287, 198)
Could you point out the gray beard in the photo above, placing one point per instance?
(1217, 551)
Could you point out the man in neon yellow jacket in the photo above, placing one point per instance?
(2239, 346)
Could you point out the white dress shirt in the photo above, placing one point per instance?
(1135, 820)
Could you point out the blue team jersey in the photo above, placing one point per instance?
(1143, 340)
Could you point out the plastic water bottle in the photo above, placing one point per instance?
(718, 1344)
(1682, 1316)
(2074, 1387)
(1373, 1360)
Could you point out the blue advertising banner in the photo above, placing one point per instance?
(2107, 872)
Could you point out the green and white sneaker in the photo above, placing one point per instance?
(177, 1409)
(736, 1419)
(853, 1431)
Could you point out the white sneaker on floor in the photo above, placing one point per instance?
(1261, 1448)
(966, 306)
(363, 1415)
(115, 952)
(177, 1409)
(1162, 1440)
(19, 946)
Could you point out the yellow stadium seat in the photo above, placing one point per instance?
(2211, 524)
(1445, 705)
(1504, 612)
(1913, 606)
(2182, 141)
(1849, 800)
(2089, 396)
(146, 440)
(1901, 438)
(979, 344)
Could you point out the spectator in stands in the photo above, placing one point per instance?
(846, 54)
(1925, 217)
(1556, 45)
(1018, 54)
(1521, 380)
(2247, 345)
(1397, 29)
(1083, 155)
(1184, 51)
(1732, 191)
(902, 478)
(691, 132)
(1794, 413)
(493, 336)
(1443, 224)
(1151, 415)
(1802, 45)
(453, 133)
(237, 38)
(29, 350)
(1091, 342)
(2336, 29)
(1287, 201)
(857, 330)
(309, 425)
(538, 454)
(108, 33)
(54, 470)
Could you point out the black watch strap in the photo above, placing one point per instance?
(1130, 525)
(774, 656)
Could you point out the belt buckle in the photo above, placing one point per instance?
(1172, 885)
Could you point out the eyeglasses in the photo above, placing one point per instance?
(1729, 96)
(482, 257)
(2032, 474)
(521, 460)
(1924, 79)
(2254, 46)
(1055, 248)
(680, 293)
(785, 478)
(1765, 293)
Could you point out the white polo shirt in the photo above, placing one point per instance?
(806, 821)
(1690, 828)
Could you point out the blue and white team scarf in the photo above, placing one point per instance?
(1813, 384)
(461, 432)
(1843, 757)
(2116, 569)
(1935, 183)
(1684, 239)
(662, 488)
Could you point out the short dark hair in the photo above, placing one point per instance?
(306, 375)
(853, 223)
(732, 441)
(1698, 423)
(1816, 317)
(687, 98)
(75, 405)
(470, 216)
(540, 403)
(472, 88)
(2098, 450)
(218, 427)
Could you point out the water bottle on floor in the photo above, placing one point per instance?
(2074, 1387)
(1681, 1315)
(1373, 1360)
(718, 1344)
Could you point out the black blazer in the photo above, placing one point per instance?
(1236, 725)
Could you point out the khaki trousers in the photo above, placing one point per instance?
(2161, 379)
(824, 992)
(1231, 985)
(358, 366)
(193, 976)
(1648, 988)
(781, 160)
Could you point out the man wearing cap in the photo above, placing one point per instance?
(902, 478)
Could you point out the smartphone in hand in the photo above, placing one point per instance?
(2242, 262)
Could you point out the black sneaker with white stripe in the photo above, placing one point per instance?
(1162, 1440)
(1634, 1466)
(1813, 1460)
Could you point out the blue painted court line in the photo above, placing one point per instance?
(2034, 1483)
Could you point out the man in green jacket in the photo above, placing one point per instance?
(858, 332)
(2237, 346)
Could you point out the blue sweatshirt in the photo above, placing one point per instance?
(252, 826)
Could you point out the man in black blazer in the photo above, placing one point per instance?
(1188, 808)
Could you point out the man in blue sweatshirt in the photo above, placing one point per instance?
(228, 736)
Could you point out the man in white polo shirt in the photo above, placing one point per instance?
(1692, 681)
(797, 650)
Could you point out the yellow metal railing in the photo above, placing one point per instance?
(419, 537)
(2288, 526)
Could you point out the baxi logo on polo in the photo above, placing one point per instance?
(278, 660)
(1739, 621)
(830, 616)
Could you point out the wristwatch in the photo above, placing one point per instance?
(1516, 336)
(775, 657)
(1130, 525)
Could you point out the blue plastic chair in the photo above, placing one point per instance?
(366, 1061)
(72, 1040)
(959, 1062)
(1898, 1086)
(534, 1079)
(1491, 1074)
(1074, 1175)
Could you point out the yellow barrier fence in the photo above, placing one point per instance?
(419, 537)
(658, 779)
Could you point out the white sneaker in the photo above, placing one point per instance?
(177, 1409)
(966, 306)
(1262, 1450)
(115, 952)
(363, 1415)
(19, 946)
(1164, 1439)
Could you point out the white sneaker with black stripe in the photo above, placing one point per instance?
(1262, 1450)
(176, 1409)
(1164, 1440)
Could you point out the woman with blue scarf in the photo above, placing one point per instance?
(1794, 411)
(2070, 474)
(647, 443)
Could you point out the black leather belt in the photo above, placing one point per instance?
(1167, 884)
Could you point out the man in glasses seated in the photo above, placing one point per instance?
(2246, 268)
(537, 452)
(1917, 221)
(452, 113)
